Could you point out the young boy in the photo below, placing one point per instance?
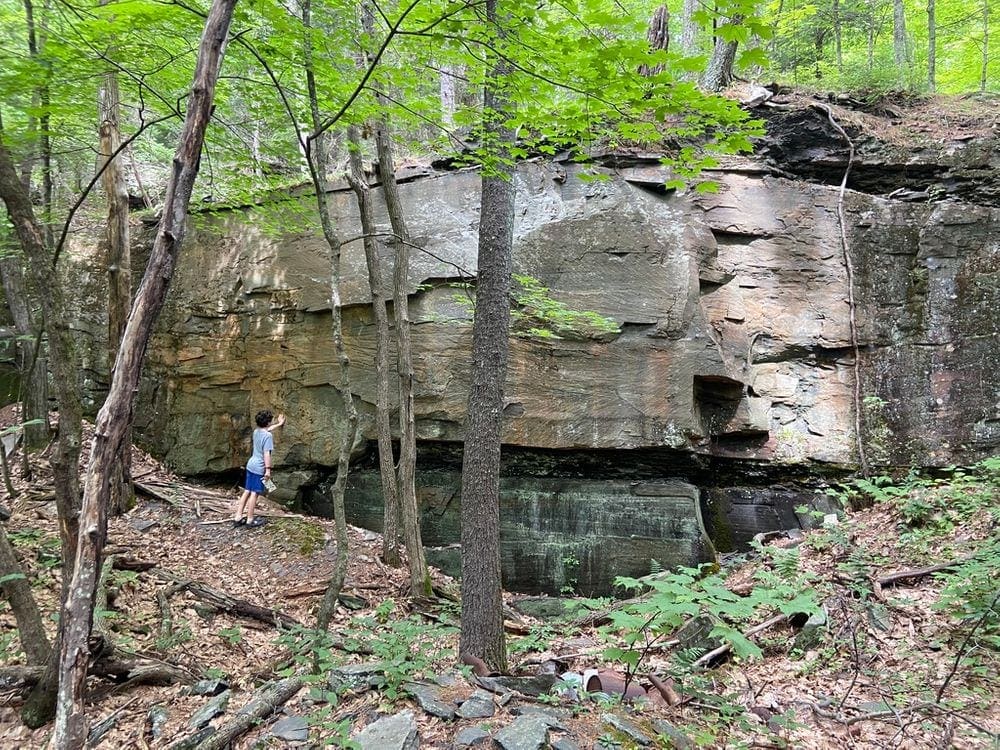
(258, 469)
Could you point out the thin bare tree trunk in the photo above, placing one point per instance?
(119, 261)
(837, 36)
(482, 634)
(448, 95)
(898, 41)
(986, 46)
(383, 428)
(316, 159)
(931, 47)
(115, 416)
(17, 589)
(65, 457)
(420, 579)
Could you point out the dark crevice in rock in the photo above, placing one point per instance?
(728, 237)
(658, 189)
(796, 352)
(801, 143)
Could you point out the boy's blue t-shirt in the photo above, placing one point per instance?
(263, 442)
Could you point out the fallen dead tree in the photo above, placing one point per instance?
(216, 598)
(126, 670)
(265, 702)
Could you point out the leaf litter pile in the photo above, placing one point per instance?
(901, 650)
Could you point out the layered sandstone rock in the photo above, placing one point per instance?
(733, 307)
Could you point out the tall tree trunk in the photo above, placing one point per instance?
(119, 261)
(62, 356)
(719, 72)
(36, 28)
(482, 633)
(17, 589)
(420, 580)
(115, 416)
(448, 95)
(689, 28)
(870, 36)
(986, 46)
(376, 282)
(931, 47)
(899, 41)
(838, 49)
(383, 428)
(315, 152)
(32, 365)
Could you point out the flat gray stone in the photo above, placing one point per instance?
(479, 705)
(356, 676)
(565, 743)
(811, 633)
(430, 699)
(472, 737)
(291, 729)
(208, 687)
(553, 714)
(534, 686)
(629, 728)
(143, 525)
(158, 718)
(677, 739)
(396, 732)
(209, 711)
(524, 733)
(449, 679)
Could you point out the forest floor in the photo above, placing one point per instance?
(909, 662)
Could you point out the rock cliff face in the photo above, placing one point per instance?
(734, 369)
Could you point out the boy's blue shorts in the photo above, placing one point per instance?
(255, 483)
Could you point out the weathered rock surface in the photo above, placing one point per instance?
(396, 732)
(734, 369)
(735, 328)
(557, 534)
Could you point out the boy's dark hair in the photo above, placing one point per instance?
(263, 418)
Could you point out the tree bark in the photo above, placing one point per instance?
(32, 365)
(931, 47)
(837, 36)
(383, 429)
(118, 262)
(899, 41)
(984, 69)
(115, 416)
(448, 96)
(420, 579)
(62, 356)
(376, 284)
(17, 589)
(265, 702)
(719, 72)
(482, 634)
(689, 28)
(658, 36)
(315, 152)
